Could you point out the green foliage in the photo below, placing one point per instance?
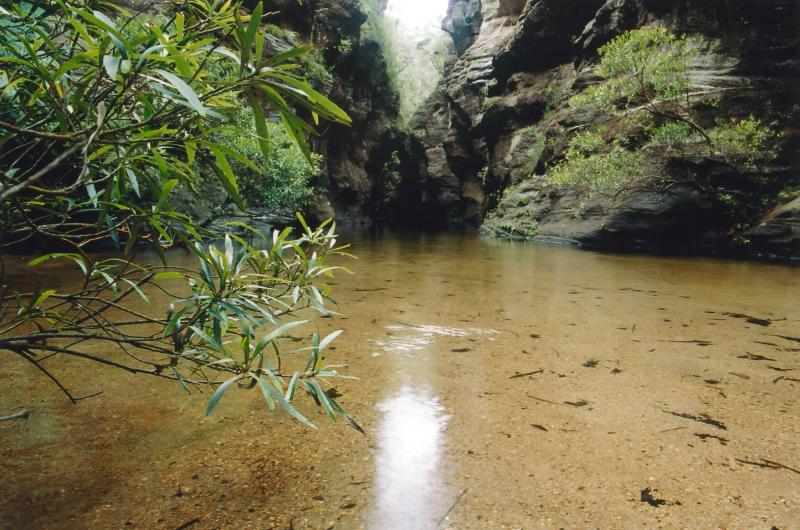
(345, 46)
(648, 63)
(741, 239)
(414, 61)
(553, 94)
(585, 143)
(788, 194)
(375, 28)
(726, 198)
(747, 142)
(316, 70)
(535, 152)
(650, 67)
(672, 135)
(596, 168)
(283, 181)
(646, 85)
(520, 229)
(482, 175)
(580, 211)
(103, 113)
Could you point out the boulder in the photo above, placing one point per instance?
(778, 232)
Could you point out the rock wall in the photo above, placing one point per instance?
(354, 178)
(513, 66)
(357, 177)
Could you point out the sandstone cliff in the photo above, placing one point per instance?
(349, 68)
(353, 175)
(513, 67)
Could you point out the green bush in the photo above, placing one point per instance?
(585, 143)
(647, 88)
(746, 142)
(673, 135)
(598, 174)
(103, 113)
(645, 64)
(535, 152)
(522, 229)
(649, 67)
(283, 182)
(553, 93)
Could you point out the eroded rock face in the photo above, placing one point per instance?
(354, 156)
(501, 116)
(451, 172)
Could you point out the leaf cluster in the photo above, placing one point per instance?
(645, 64)
(103, 112)
(595, 166)
(647, 89)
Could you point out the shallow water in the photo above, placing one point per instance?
(502, 385)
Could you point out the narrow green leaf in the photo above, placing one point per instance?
(185, 90)
(241, 36)
(77, 258)
(281, 330)
(191, 150)
(111, 64)
(171, 275)
(289, 408)
(265, 390)
(285, 56)
(261, 126)
(327, 340)
(253, 25)
(323, 397)
(180, 379)
(260, 36)
(103, 22)
(43, 297)
(180, 20)
(166, 189)
(292, 386)
(218, 393)
(137, 289)
(225, 175)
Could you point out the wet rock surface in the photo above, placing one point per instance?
(778, 231)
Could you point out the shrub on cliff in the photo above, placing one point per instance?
(647, 85)
(102, 114)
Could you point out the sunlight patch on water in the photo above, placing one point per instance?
(408, 482)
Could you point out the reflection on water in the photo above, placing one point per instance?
(408, 479)
(408, 338)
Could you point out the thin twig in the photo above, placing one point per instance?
(13, 190)
(442, 518)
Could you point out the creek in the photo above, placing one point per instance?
(501, 385)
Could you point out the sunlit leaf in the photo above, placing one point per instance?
(185, 90)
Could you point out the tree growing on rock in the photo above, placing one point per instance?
(651, 100)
